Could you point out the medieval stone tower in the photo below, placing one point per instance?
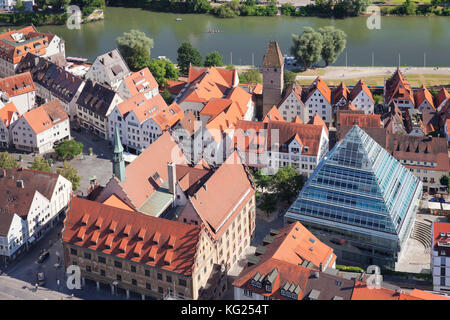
(273, 72)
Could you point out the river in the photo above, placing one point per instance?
(244, 39)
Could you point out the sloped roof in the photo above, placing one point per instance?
(397, 87)
(149, 170)
(18, 200)
(360, 86)
(424, 94)
(341, 91)
(17, 84)
(273, 57)
(116, 202)
(273, 114)
(318, 121)
(348, 119)
(224, 189)
(7, 112)
(320, 85)
(441, 97)
(128, 245)
(96, 98)
(140, 81)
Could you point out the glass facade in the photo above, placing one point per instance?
(361, 198)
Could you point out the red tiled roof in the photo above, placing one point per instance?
(441, 97)
(318, 121)
(124, 242)
(398, 88)
(221, 193)
(348, 119)
(7, 112)
(140, 81)
(17, 84)
(149, 170)
(424, 94)
(45, 116)
(273, 114)
(114, 201)
(360, 86)
(341, 91)
(320, 85)
(175, 87)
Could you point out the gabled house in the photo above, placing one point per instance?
(8, 115)
(361, 97)
(39, 129)
(318, 101)
(20, 90)
(94, 105)
(292, 106)
(138, 82)
(424, 99)
(341, 95)
(441, 99)
(273, 114)
(109, 69)
(188, 133)
(16, 44)
(53, 82)
(39, 198)
(141, 121)
(397, 89)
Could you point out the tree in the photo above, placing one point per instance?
(287, 183)
(40, 164)
(163, 70)
(70, 174)
(198, 6)
(267, 202)
(445, 181)
(333, 43)
(165, 94)
(68, 149)
(307, 47)
(378, 99)
(261, 180)
(7, 161)
(408, 7)
(135, 48)
(288, 78)
(250, 76)
(213, 59)
(20, 6)
(188, 55)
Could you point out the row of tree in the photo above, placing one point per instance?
(312, 46)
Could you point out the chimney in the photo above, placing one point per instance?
(20, 184)
(172, 176)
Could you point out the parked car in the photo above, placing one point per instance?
(41, 278)
(44, 255)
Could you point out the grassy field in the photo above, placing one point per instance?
(415, 80)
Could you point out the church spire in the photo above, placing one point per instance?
(118, 162)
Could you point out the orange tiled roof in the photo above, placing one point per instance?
(348, 119)
(225, 188)
(424, 94)
(7, 112)
(45, 116)
(318, 121)
(341, 91)
(14, 50)
(114, 201)
(441, 97)
(398, 88)
(320, 85)
(360, 86)
(149, 170)
(175, 87)
(118, 234)
(140, 81)
(273, 114)
(425, 295)
(17, 84)
(297, 120)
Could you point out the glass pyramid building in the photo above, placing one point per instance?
(361, 201)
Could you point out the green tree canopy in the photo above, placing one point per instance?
(68, 149)
(70, 174)
(250, 76)
(40, 164)
(267, 202)
(198, 6)
(333, 43)
(213, 59)
(188, 55)
(307, 47)
(7, 161)
(135, 48)
(288, 78)
(163, 70)
(287, 183)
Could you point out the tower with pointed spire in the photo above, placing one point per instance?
(118, 162)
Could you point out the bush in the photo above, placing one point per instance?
(68, 149)
(287, 9)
